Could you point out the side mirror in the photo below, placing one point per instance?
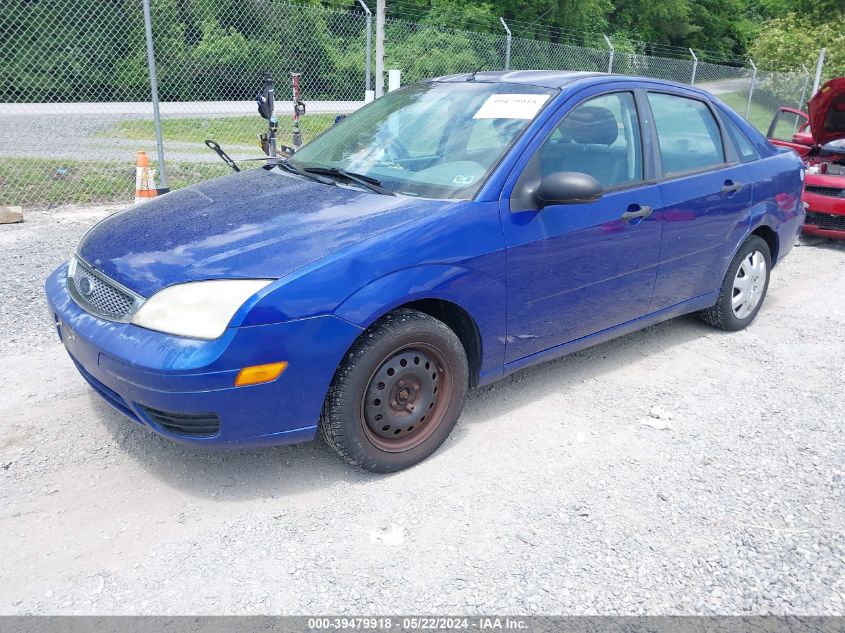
(567, 187)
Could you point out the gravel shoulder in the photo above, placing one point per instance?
(677, 470)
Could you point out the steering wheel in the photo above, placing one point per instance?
(395, 149)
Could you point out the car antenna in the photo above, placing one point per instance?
(472, 75)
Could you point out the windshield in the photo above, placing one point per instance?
(434, 140)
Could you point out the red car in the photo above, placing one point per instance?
(818, 136)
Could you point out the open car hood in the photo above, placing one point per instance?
(827, 112)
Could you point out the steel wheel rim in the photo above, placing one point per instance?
(749, 285)
(412, 400)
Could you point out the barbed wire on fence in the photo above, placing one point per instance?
(75, 87)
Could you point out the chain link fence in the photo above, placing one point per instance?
(75, 96)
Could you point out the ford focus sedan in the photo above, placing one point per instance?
(442, 237)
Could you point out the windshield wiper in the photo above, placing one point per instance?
(373, 184)
(287, 166)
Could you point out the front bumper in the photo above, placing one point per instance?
(825, 216)
(142, 373)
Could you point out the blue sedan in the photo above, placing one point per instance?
(442, 237)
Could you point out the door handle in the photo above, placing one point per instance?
(731, 187)
(636, 211)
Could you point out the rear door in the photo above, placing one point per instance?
(705, 191)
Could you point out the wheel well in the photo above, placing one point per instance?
(461, 323)
(771, 238)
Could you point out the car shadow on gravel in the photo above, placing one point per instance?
(283, 470)
(821, 242)
(533, 383)
(227, 474)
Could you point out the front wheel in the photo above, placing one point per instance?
(397, 394)
(743, 288)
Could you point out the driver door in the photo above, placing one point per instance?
(577, 269)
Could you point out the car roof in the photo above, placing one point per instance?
(542, 78)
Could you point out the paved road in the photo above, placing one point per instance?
(173, 110)
(555, 493)
(77, 131)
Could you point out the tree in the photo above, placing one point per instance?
(788, 42)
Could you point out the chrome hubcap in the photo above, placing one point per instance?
(749, 284)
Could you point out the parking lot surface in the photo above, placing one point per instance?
(675, 470)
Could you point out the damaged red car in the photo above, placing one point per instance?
(818, 136)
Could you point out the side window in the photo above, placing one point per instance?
(747, 152)
(600, 137)
(688, 134)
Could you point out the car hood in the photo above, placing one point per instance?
(253, 224)
(826, 112)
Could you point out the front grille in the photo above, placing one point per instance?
(826, 221)
(190, 424)
(832, 192)
(99, 295)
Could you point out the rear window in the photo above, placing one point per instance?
(688, 134)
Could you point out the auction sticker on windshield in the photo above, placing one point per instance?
(511, 106)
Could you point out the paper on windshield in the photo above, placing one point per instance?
(511, 106)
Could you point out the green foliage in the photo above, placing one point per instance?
(94, 50)
(43, 181)
(240, 132)
(796, 39)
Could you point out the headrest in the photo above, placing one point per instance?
(591, 125)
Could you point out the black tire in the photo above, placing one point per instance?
(722, 314)
(420, 411)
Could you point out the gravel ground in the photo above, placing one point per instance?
(675, 470)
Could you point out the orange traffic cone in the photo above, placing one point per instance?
(145, 188)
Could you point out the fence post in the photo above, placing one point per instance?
(612, 53)
(369, 42)
(751, 88)
(804, 88)
(819, 66)
(507, 44)
(694, 66)
(379, 48)
(151, 62)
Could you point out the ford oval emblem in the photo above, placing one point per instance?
(86, 287)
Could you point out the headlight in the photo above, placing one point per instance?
(199, 309)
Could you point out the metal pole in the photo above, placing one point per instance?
(507, 44)
(803, 94)
(379, 48)
(819, 66)
(151, 62)
(751, 88)
(694, 67)
(369, 43)
(612, 53)
(804, 88)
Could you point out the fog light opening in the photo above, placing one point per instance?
(258, 374)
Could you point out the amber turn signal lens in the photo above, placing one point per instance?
(260, 373)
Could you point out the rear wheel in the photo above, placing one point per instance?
(743, 288)
(398, 393)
